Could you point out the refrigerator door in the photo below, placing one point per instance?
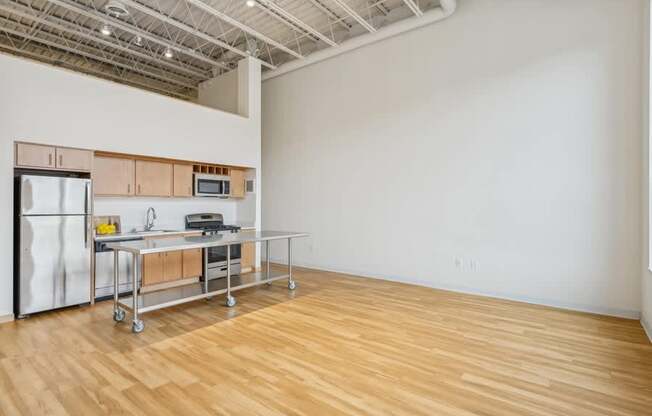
(51, 195)
(55, 262)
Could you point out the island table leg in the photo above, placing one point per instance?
(230, 300)
(137, 325)
(291, 283)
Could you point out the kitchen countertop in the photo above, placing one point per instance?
(245, 226)
(160, 245)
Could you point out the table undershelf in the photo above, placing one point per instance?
(182, 294)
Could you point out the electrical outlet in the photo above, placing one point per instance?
(459, 263)
(473, 265)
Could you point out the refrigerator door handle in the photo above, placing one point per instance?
(87, 196)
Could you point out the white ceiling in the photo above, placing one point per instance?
(203, 38)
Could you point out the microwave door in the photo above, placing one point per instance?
(209, 187)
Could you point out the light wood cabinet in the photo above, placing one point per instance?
(74, 159)
(182, 183)
(113, 176)
(35, 156)
(153, 269)
(192, 263)
(248, 257)
(237, 183)
(172, 265)
(153, 178)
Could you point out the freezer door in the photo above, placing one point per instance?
(55, 262)
(51, 195)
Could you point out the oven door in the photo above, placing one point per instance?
(217, 255)
(207, 186)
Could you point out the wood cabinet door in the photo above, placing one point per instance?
(237, 183)
(153, 269)
(74, 159)
(153, 178)
(113, 176)
(35, 156)
(172, 265)
(182, 185)
(192, 263)
(248, 254)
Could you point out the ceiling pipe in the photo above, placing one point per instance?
(446, 8)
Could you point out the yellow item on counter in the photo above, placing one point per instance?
(106, 229)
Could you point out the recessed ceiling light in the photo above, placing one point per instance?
(105, 30)
(168, 53)
(250, 3)
(116, 8)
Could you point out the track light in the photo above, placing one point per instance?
(168, 53)
(138, 41)
(105, 30)
(250, 3)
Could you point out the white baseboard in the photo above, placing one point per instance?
(620, 313)
(646, 327)
(6, 318)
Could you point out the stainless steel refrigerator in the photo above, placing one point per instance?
(53, 243)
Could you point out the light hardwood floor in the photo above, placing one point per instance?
(339, 345)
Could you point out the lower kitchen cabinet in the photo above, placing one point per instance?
(247, 257)
(171, 266)
(192, 263)
(153, 269)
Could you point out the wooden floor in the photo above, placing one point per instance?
(339, 345)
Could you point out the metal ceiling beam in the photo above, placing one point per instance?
(96, 72)
(95, 15)
(96, 57)
(273, 6)
(331, 14)
(205, 7)
(355, 15)
(413, 6)
(60, 24)
(179, 25)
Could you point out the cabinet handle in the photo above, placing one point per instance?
(50, 159)
(60, 160)
(138, 188)
(128, 188)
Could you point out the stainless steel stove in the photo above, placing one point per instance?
(210, 224)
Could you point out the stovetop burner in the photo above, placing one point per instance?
(208, 222)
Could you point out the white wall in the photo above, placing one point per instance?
(646, 275)
(507, 136)
(220, 92)
(44, 104)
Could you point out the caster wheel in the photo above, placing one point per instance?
(292, 285)
(209, 298)
(230, 301)
(137, 327)
(119, 315)
(268, 283)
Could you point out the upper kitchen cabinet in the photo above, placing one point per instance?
(114, 176)
(182, 184)
(153, 178)
(74, 159)
(237, 183)
(50, 157)
(35, 156)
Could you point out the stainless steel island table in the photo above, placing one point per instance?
(143, 302)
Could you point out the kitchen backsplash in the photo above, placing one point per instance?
(170, 212)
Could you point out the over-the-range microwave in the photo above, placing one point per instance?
(211, 185)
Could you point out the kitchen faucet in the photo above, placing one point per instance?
(150, 223)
